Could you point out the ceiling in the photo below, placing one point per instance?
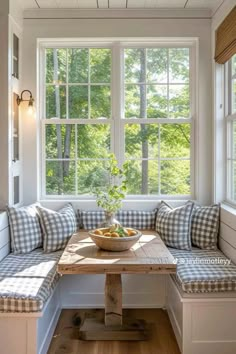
(212, 5)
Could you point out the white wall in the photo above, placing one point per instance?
(78, 28)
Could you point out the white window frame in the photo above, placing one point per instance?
(116, 121)
(230, 118)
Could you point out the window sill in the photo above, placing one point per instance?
(230, 208)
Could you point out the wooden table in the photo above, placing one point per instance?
(81, 256)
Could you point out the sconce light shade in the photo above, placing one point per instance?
(20, 99)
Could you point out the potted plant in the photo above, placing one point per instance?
(110, 198)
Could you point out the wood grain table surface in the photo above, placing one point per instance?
(148, 255)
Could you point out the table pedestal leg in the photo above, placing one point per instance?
(113, 328)
(113, 300)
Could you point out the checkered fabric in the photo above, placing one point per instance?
(27, 281)
(205, 271)
(26, 234)
(205, 227)
(138, 219)
(174, 225)
(91, 219)
(57, 227)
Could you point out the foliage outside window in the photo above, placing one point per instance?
(144, 118)
(231, 128)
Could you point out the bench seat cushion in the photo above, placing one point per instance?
(27, 281)
(204, 271)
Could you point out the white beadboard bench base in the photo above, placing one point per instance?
(202, 323)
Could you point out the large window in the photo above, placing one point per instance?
(230, 70)
(131, 99)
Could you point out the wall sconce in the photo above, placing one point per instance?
(20, 99)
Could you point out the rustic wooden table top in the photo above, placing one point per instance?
(148, 255)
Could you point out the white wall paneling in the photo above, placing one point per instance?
(4, 236)
(210, 4)
(87, 291)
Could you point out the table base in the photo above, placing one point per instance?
(132, 330)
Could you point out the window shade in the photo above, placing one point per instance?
(226, 38)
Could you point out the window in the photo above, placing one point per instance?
(131, 99)
(230, 70)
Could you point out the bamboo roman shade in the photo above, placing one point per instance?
(226, 38)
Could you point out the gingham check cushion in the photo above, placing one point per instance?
(205, 271)
(26, 282)
(205, 226)
(57, 227)
(174, 225)
(26, 234)
(138, 219)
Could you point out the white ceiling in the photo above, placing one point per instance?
(122, 4)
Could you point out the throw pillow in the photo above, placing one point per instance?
(25, 230)
(137, 219)
(174, 225)
(205, 226)
(57, 227)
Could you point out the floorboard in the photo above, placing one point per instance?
(161, 341)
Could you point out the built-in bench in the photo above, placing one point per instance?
(201, 298)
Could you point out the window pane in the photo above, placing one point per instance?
(60, 177)
(100, 65)
(55, 66)
(56, 102)
(157, 65)
(134, 60)
(175, 140)
(141, 140)
(179, 65)
(175, 177)
(91, 174)
(100, 102)
(78, 101)
(60, 141)
(78, 61)
(132, 101)
(93, 141)
(142, 177)
(156, 101)
(179, 103)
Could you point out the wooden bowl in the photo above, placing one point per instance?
(115, 244)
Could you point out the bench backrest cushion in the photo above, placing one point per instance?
(174, 225)
(137, 219)
(205, 226)
(57, 227)
(25, 230)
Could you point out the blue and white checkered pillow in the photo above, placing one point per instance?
(57, 227)
(174, 225)
(205, 226)
(137, 219)
(25, 230)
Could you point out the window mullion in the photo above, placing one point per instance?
(117, 100)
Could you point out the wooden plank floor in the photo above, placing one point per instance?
(162, 339)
